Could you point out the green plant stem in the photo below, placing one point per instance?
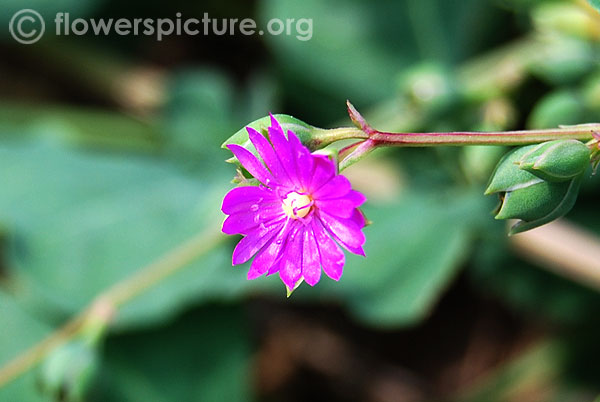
(328, 136)
(460, 138)
(108, 301)
(376, 139)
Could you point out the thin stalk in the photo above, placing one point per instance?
(376, 139)
(460, 138)
(112, 298)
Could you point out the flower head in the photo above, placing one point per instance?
(295, 220)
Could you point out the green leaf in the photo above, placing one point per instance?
(47, 10)
(564, 59)
(87, 127)
(80, 222)
(414, 249)
(204, 356)
(357, 51)
(528, 289)
(19, 331)
(595, 4)
(556, 108)
(198, 116)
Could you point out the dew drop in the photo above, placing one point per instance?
(278, 241)
(254, 207)
(257, 218)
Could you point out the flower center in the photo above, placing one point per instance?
(297, 205)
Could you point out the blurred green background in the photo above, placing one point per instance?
(110, 157)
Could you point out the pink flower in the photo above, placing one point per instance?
(294, 221)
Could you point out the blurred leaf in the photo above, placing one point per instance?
(198, 116)
(80, 222)
(88, 127)
(47, 9)
(556, 108)
(529, 289)
(357, 48)
(19, 331)
(595, 4)
(414, 248)
(204, 356)
(563, 59)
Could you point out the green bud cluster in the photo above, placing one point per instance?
(67, 374)
(539, 183)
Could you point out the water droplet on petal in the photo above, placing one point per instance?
(254, 207)
(257, 218)
(278, 241)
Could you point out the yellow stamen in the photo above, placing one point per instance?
(296, 205)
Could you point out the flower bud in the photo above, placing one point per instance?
(556, 161)
(528, 197)
(67, 373)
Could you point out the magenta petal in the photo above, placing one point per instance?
(355, 250)
(265, 259)
(332, 257)
(324, 171)
(358, 218)
(247, 222)
(252, 243)
(252, 164)
(340, 207)
(344, 207)
(281, 240)
(241, 199)
(275, 267)
(311, 264)
(356, 197)
(275, 124)
(291, 261)
(284, 153)
(266, 152)
(304, 160)
(294, 248)
(255, 271)
(337, 187)
(268, 258)
(344, 230)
